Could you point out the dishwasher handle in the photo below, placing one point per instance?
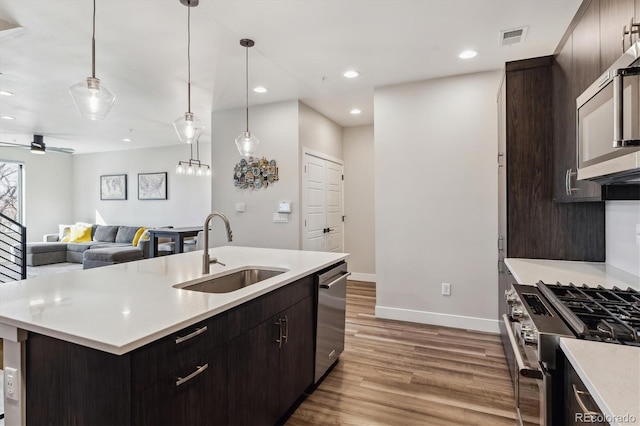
(332, 283)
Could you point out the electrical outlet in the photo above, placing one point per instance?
(638, 234)
(11, 384)
(446, 289)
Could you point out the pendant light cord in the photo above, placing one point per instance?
(246, 73)
(188, 58)
(93, 43)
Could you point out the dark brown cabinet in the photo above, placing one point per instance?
(614, 16)
(579, 406)
(297, 353)
(536, 226)
(273, 365)
(193, 396)
(248, 365)
(588, 49)
(576, 67)
(566, 186)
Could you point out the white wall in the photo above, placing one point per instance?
(48, 190)
(276, 126)
(319, 133)
(188, 200)
(436, 201)
(359, 190)
(621, 219)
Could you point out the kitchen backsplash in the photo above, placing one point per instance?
(621, 220)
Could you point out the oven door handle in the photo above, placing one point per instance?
(523, 369)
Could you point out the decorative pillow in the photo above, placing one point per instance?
(105, 234)
(139, 232)
(126, 234)
(64, 231)
(80, 234)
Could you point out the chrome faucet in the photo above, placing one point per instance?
(205, 257)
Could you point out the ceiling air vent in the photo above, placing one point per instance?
(512, 36)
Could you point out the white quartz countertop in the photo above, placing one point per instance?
(611, 374)
(530, 271)
(122, 307)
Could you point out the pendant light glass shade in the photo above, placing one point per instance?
(247, 143)
(188, 127)
(93, 100)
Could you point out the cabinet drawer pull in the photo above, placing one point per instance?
(279, 339)
(285, 336)
(578, 394)
(199, 369)
(191, 335)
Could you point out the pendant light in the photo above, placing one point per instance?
(194, 166)
(188, 126)
(246, 142)
(93, 100)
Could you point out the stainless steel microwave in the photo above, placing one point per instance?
(608, 123)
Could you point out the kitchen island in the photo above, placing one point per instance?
(117, 319)
(609, 372)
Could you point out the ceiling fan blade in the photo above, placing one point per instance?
(61, 150)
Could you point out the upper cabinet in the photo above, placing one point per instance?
(590, 48)
(614, 16)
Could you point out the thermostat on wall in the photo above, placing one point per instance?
(284, 207)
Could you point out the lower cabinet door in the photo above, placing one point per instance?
(297, 353)
(253, 376)
(194, 395)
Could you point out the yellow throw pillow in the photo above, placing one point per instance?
(80, 234)
(139, 233)
(66, 234)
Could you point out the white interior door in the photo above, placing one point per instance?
(322, 205)
(315, 204)
(333, 173)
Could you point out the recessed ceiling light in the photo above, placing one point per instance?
(126, 140)
(351, 74)
(467, 54)
(5, 93)
(260, 89)
(8, 117)
(355, 111)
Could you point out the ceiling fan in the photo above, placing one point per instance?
(38, 146)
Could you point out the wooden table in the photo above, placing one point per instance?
(176, 234)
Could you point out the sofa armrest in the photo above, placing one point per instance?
(144, 246)
(50, 238)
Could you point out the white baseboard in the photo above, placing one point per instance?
(359, 276)
(436, 318)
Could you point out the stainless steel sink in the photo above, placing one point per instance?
(234, 281)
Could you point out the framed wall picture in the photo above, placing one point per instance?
(152, 186)
(113, 187)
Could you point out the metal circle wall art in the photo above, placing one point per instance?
(255, 173)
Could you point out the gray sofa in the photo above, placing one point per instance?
(118, 239)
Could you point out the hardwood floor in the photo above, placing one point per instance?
(399, 373)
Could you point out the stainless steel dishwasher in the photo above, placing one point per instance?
(332, 302)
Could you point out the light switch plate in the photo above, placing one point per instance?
(638, 234)
(280, 218)
(241, 207)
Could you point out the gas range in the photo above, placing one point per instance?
(601, 314)
(538, 316)
(591, 313)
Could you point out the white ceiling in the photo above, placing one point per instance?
(302, 49)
